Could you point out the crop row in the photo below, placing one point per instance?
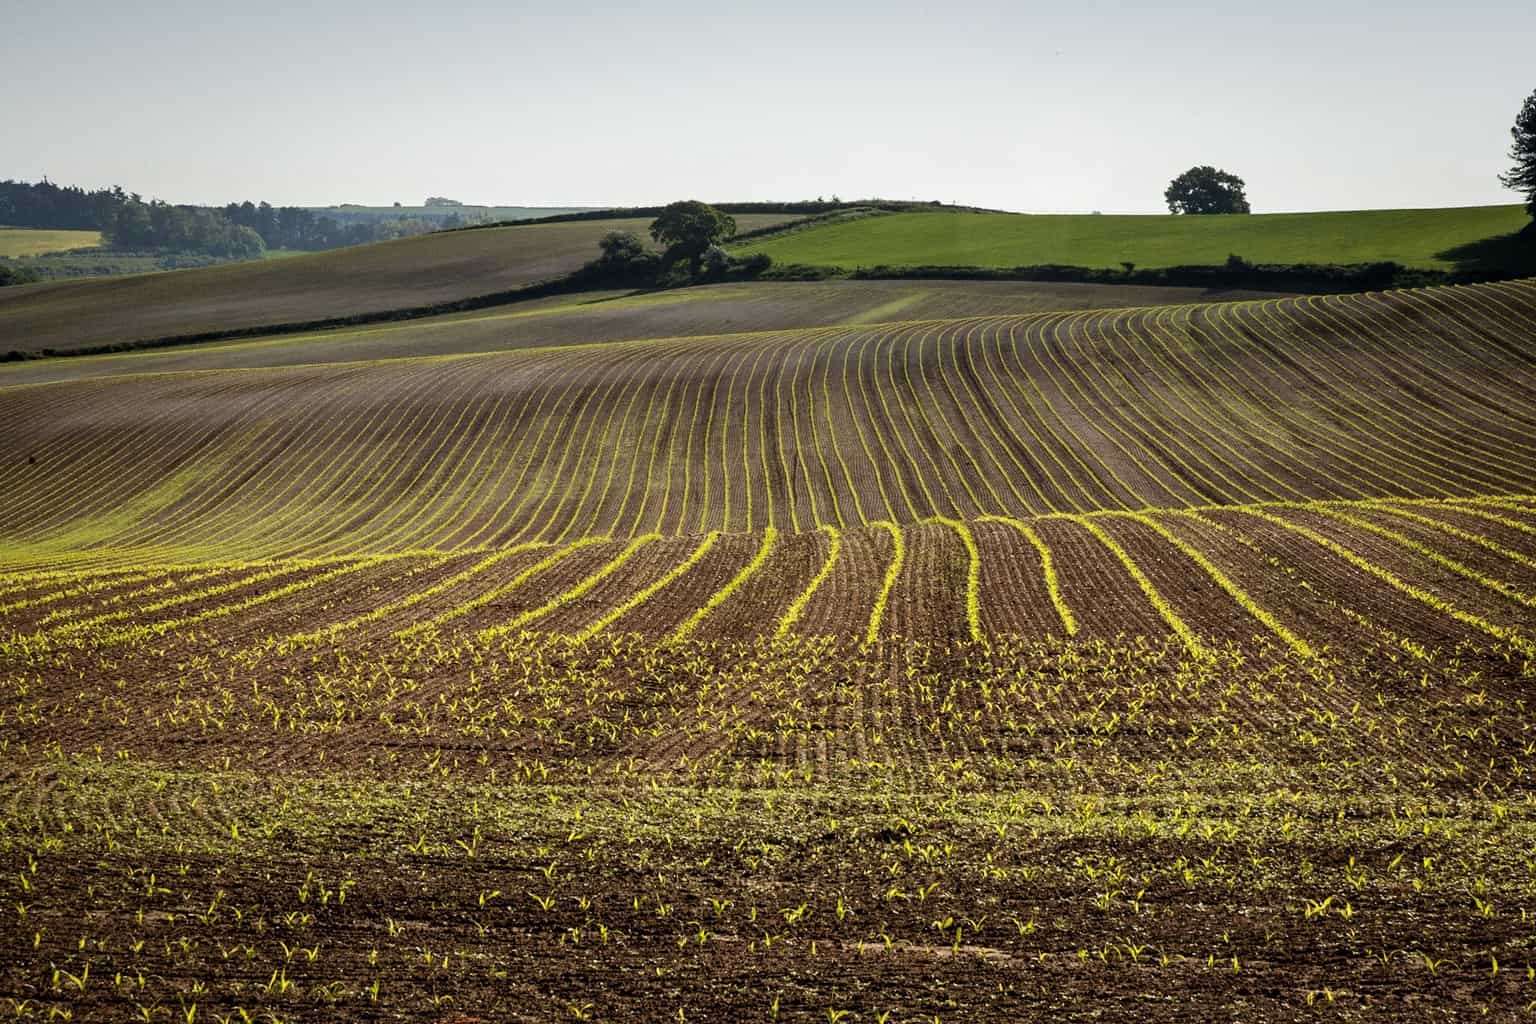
(1411, 394)
(1306, 575)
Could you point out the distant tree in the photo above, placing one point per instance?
(16, 275)
(688, 228)
(130, 227)
(625, 260)
(621, 248)
(716, 261)
(241, 243)
(1522, 176)
(1204, 189)
(46, 205)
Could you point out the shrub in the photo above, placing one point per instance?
(10, 274)
(716, 261)
(621, 248)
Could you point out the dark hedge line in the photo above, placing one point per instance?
(1307, 278)
(1314, 278)
(561, 286)
(17, 275)
(807, 208)
(841, 216)
(640, 276)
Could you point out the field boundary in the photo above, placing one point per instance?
(1304, 278)
(570, 284)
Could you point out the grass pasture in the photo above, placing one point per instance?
(976, 664)
(19, 243)
(1414, 238)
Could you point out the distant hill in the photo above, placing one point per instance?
(407, 273)
(351, 213)
(1446, 239)
(600, 317)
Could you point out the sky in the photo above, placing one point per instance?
(1058, 107)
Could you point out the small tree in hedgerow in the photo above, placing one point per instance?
(1522, 176)
(1206, 190)
(621, 248)
(688, 228)
(625, 260)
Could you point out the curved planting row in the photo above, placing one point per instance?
(1297, 577)
(1426, 394)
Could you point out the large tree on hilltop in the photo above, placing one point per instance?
(1204, 189)
(689, 227)
(1522, 176)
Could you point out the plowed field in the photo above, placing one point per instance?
(1167, 663)
(419, 271)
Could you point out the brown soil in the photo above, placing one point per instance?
(409, 272)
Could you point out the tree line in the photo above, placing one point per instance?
(236, 231)
(294, 227)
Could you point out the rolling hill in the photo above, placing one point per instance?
(1427, 238)
(595, 317)
(794, 430)
(409, 272)
(1136, 663)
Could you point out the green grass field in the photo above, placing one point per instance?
(18, 242)
(1414, 238)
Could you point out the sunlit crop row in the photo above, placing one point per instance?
(591, 584)
(1215, 404)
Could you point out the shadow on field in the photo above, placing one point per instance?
(1508, 254)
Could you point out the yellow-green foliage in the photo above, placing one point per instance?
(82, 586)
(972, 575)
(719, 597)
(1458, 568)
(1047, 569)
(1235, 592)
(491, 595)
(892, 571)
(1460, 534)
(797, 606)
(414, 598)
(189, 597)
(20, 242)
(83, 533)
(640, 597)
(1159, 602)
(219, 611)
(1513, 637)
(162, 583)
(567, 596)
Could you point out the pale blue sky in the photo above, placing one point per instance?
(1040, 107)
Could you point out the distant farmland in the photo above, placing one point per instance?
(596, 317)
(1414, 238)
(351, 212)
(416, 271)
(20, 242)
